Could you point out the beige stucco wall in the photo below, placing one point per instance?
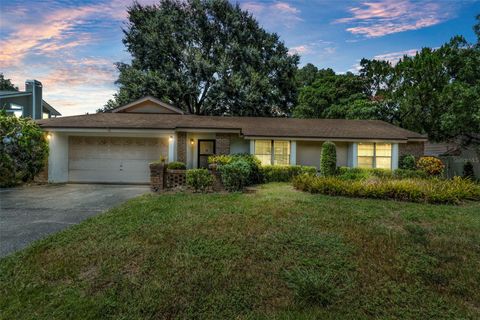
(308, 153)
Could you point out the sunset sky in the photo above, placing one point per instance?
(70, 46)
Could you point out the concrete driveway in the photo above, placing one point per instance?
(32, 212)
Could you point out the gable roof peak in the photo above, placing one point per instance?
(156, 101)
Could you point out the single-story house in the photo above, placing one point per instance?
(28, 103)
(117, 147)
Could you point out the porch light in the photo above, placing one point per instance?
(49, 136)
(192, 142)
(170, 138)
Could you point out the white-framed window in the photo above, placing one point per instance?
(374, 155)
(273, 151)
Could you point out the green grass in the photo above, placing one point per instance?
(274, 254)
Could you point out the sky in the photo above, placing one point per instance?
(71, 46)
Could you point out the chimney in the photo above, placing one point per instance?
(36, 111)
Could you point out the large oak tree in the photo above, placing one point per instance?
(206, 57)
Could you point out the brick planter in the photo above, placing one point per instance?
(176, 178)
(157, 176)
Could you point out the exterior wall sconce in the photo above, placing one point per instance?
(192, 142)
(170, 138)
(49, 136)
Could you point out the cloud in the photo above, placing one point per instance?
(394, 57)
(273, 15)
(302, 49)
(376, 19)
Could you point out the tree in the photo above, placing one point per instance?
(327, 90)
(6, 84)
(205, 57)
(23, 150)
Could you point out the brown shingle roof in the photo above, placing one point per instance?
(248, 126)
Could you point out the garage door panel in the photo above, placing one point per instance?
(113, 159)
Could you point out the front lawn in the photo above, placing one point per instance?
(277, 253)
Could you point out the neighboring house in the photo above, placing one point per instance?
(455, 155)
(28, 103)
(116, 147)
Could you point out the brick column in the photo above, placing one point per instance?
(182, 147)
(222, 143)
(157, 176)
(414, 148)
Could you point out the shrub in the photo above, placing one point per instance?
(415, 190)
(408, 174)
(328, 160)
(254, 164)
(235, 175)
(346, 173)
(220, 159)
(199, 179)
(176, 165)
(468, 170)
(277, 173)
(407, 162)
(431, 165)
(23, 150)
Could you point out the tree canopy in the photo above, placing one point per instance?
(206, 57)
(436, 92)
(6, 84)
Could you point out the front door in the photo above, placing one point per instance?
(206, 148)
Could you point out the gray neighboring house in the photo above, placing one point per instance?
(28, 103)
(117, 147)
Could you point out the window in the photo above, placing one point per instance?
(273, 151)
(281, 155)
(263, 151)
(375, 155)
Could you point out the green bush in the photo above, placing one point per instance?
(468, 170)
(199, 179)
(328, 160)
(275, 173)
(408, 174)
(415, 190)
(407, 162)
(346, 173)
(255, 175)
(431, 165)
(220, 159)
(176, 165)
(235, 175)
(23, 150)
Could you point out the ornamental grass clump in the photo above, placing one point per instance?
(415, 190)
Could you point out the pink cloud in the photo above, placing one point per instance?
(302, 49)
(376, 19)
(394, 57)
(273, 15)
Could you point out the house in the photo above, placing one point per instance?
(28, 103)
(116, 147)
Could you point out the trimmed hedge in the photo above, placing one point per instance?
(275, 173)
(414, 190)
(176, 165)
(328, 160)
(254, 176)
(235, 175)
(199, 179)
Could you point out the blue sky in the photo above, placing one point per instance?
(71, 45)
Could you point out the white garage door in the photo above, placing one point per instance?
(113, 159)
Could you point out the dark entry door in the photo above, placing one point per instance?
(206, 148)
